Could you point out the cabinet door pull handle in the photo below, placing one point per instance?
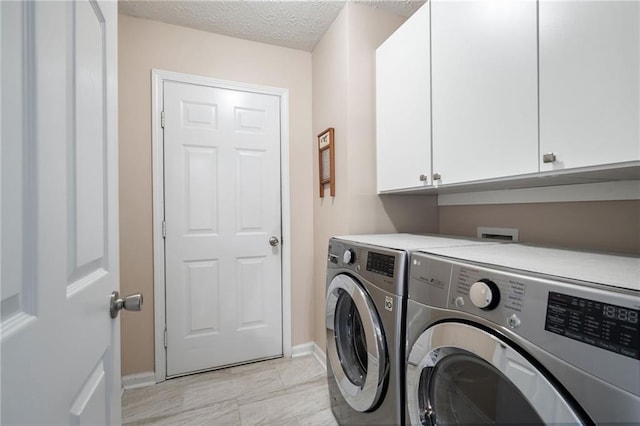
(549, 158)
(423, 178)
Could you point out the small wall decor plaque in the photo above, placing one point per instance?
(326, 156)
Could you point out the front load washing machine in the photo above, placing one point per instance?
(365, 320)
(514, 334)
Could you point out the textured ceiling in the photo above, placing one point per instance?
(290, 23)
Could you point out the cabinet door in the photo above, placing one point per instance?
(484, 88)
(589, 82)
(402, 105)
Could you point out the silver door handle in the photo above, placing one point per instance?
(132, 302)
(274, 241)
(549, 158)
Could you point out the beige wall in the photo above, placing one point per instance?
(144, 45)
(344, 98)
(595, 225)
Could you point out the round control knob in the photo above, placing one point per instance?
(459, 301)
(349, 257)
(484, 294)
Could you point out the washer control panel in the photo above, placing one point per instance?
(610, 327)
(589, 325)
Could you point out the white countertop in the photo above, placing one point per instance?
(609, 269)
(413, 242)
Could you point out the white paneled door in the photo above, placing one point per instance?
(222, 208)
(59, 195)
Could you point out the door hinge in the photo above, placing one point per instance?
(162, 119)
(164, 229)
(165, 337)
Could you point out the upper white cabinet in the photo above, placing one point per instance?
(490, 92)
(589, 82)
(403, 106)
(484, 89)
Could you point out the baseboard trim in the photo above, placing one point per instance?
(310, 348)
(302, 350)
(320, 355)
(139, 380)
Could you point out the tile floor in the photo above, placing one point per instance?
(284, 391)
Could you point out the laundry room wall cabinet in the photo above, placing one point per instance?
(589, 83)
(484, 93)
(403, 107)
(500, 93)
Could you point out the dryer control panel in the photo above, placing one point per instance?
(380, 266)
(381, 263)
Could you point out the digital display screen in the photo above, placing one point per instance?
(381, 263)
(610, 327)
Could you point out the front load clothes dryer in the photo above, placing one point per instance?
(365, 320)
(514, 334)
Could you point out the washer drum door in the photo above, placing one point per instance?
(460, 374)
(355, 344)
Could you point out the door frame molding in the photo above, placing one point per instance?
(158, 77)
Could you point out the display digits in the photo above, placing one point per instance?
(609, 311)
(620, 314)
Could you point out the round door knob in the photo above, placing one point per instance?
(274, 241)
(132, 302)
(484, 294)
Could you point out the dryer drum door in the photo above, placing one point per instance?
(460, 374)
(355, 343)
